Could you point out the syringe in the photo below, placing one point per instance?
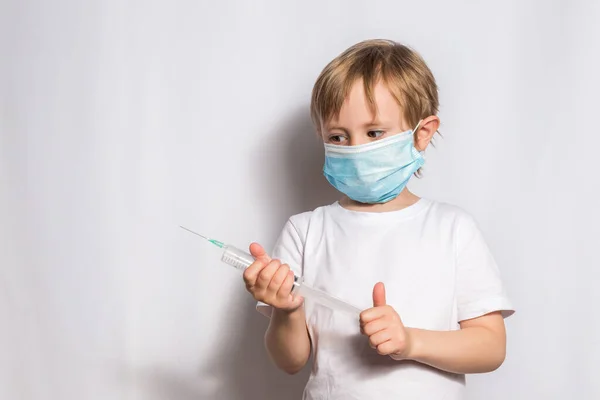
(241, 260)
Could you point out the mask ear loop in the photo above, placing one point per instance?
(417, 127)
(422, 152)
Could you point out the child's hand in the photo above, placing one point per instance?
(383, 326)
(270, 281)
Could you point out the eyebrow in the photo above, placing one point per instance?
(331, 128)
(374, 123)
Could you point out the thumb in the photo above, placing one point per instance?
(259, 252)
(379, 295)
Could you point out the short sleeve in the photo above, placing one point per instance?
(288, 249)
(479, 287)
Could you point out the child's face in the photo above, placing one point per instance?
(357, 125)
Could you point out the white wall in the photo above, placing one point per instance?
(121, 120)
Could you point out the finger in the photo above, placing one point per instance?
(296, 300)
(278, 278)
(387, 348)
(251, 273)
(259, 252)
(286, 286)
(372, 314)
(379, 295)
(379, 338)
(266, 274)
(374, 327)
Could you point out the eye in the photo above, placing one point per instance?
(375, 134)
(337, 139)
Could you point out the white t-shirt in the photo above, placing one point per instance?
(437, 271)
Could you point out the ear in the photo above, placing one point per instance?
(425, 132)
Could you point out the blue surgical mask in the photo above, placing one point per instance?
(375, 172)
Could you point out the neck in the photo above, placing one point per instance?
(403, 200)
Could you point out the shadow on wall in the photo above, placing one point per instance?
(296, 172)
(242, 369)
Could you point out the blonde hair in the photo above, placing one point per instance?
(405, 73)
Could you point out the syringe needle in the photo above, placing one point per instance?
(213, 241)
(195, 233)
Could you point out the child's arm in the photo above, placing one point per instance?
(479, 346)
(286, 339)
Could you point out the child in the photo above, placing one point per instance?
(434, 304)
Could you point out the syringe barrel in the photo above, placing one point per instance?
(237, 258)
(241, 260)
